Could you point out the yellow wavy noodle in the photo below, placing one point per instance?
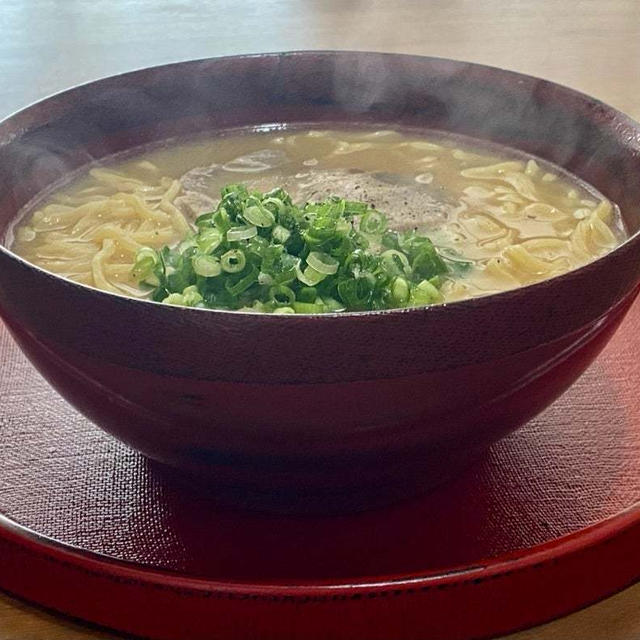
(480, 233)
(564, 227)
(592, 237)
(427, 161)
(92, 237)
(543, 211)
(118, 181)
(475, 193)
(528, 266)
(178, 220)
(510, 209)
(499, 275)
(109, 231)
(513, 198)
(601, 234)
(454, 290)
(545, 235)
(121, 270)
(138, 206)
(80, 199)
(517, 266)
(550, 249)
(604, 211)
(345, 148)
(523, 184)
(466, 156)
(493, 171)
(422, 145)
(532, 168)
(97, 265)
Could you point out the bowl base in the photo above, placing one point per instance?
(91, 528)
(415, 480)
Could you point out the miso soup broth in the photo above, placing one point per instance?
(405, 220)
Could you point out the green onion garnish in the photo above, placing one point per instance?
(373, 222)
(322, 262)
(396, 262)
(282, 296)
(261, 252)
(259, 215)
(243, 232)
(280, 234)
(206, 266)
(146, 261)
(209, 240)
(233, 261)
(310, 276)
(400, 291)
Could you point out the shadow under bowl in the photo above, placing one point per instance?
(330, 411)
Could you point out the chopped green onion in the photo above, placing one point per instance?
(360, 240)
(352, 208)
(191, 296)
(332, 305)
(373, 222)
(240, 286)
(274, 203)
(206, 266)
(428, 263)
(209, 240)
(307, 294)
(282, 296)
(310, 276)
(280, 234)
(233, 261)
(322, 262)
(221, 220)
(259, 215)
(400, 291)
(261, 252)
(175, 299)
(257, 306)
(284, 310)
(343, 226)
(355, 293)
(425, 293)
(189, 243)
(454, 261)
(152, 280)
(396, 262)
(146, 261)
(307, 307)
(285, 269)
(243, 232)
(391, 240)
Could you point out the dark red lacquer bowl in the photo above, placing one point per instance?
(350, 409)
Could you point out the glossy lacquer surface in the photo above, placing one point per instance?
(326, 412)
(545, 523)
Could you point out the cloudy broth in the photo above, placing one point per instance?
(511, 219)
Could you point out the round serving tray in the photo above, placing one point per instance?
(548, 522)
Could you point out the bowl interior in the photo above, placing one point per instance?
(42, 144)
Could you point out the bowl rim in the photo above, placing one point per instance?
(480, 301)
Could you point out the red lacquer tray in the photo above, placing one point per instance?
(548, 522)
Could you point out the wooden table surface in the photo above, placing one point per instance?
(591, 45)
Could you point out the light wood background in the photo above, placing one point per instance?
(591, 45)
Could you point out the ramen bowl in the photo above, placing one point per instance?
(351, 409)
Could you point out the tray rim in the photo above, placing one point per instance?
(492, 568)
